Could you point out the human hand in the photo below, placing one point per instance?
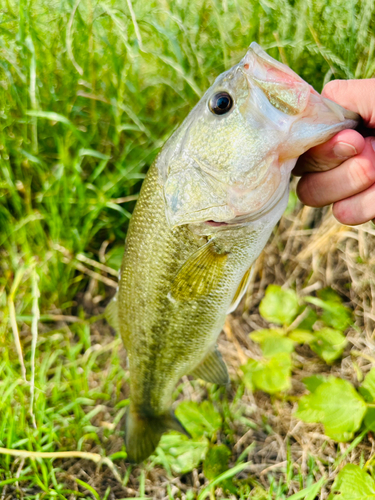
(342, 170)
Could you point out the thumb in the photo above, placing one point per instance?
(356, 95)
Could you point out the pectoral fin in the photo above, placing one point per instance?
(212, 369)
(240, 291)
(200, 274)
(111, 313)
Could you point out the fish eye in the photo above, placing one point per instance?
(220, 103)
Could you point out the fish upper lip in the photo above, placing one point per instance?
(215, 223)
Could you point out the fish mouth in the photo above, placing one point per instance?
(214, 223)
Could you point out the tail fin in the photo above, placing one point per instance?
(143, 433)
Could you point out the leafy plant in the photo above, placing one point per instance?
(200, 419)
(329, 344)
(181, 454)
(353, 483)
(270, 375)
(323, 332)
(337, 405)
(279, 306)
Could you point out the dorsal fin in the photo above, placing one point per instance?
(212, 369)
(200, 274)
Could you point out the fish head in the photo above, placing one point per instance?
(230, 160)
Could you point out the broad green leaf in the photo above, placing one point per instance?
(341, 437)
(199, 418)
(329, 295)
(248, 371)
(216, 461)
(367, 388)
(182, 454)
(271, 346)
(313, 382)
(308, 321)
(334, 313)
(301, 336)
(353, 483)
(259, 335)
(329, 344)
(336, 405)
(272, 341)
(339, 317)
(273, 375)
(369, 420)
(308, 412)
(279, 306)
(269, 375)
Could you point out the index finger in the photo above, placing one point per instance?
(330, 154)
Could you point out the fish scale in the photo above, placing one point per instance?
(206, 210)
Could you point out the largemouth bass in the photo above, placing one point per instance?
(206, 210)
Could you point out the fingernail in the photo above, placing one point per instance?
(344, 150)
(373, 146)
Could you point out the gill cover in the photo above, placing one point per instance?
(236, 165)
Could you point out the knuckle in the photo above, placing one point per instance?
(362, 173)
(301, 189)
(306, 190)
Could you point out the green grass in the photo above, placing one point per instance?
(89, 92)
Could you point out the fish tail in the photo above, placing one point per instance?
(143, 432)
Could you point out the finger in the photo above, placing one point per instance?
(357, 209)
(351, 177)
(332, 153)
(356, 95)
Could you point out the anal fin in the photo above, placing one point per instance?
(212, 369)
(111, 313)
(240, 291)
(200, 274)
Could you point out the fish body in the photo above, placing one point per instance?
(206, 210)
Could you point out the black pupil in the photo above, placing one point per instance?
(221, 103)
